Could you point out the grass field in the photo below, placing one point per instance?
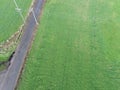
(76, 47)
(10, 20)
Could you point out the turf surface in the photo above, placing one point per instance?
(76, 47)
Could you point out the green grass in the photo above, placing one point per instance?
(4, 57)
(76, 47)
(2, 67)
(10, 20)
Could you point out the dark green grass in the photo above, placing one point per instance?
(2, 67)
(76, 47)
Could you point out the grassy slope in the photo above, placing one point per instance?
(10, 20)
(76, 47)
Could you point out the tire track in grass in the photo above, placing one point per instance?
(82, 66)
(98, 47)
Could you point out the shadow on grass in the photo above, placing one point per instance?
(5, 64)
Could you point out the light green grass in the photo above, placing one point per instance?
(76, 47)
(10, 20)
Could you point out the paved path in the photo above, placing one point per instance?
(11, 76)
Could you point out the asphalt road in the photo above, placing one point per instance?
(9, 79)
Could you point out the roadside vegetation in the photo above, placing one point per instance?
(10, 23)
(76, 47)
